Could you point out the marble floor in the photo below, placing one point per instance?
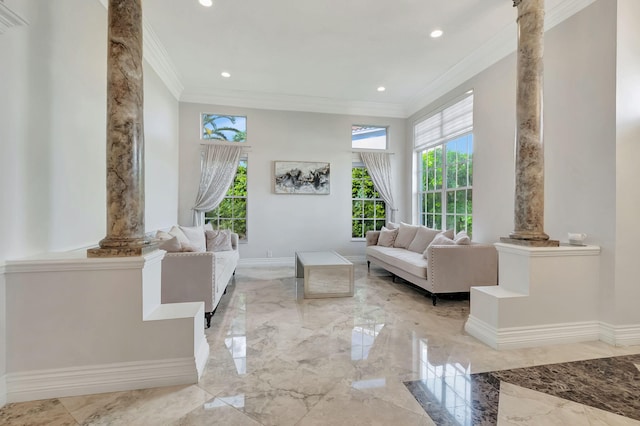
(383, 357)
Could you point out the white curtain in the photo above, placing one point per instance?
(218, 166)
(379, 167)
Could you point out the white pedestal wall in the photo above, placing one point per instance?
(545, 295)
(79, 325)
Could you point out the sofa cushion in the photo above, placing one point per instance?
(423, 238)
(219, 240)
(406, 260)
(387, 237)
(176, 232)
(195, 235)
(406, 233)
(462, 239)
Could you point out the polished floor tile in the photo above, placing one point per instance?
(360, 360)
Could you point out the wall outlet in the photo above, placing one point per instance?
(269, 254)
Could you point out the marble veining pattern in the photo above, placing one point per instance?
(125, 133)
(345, 361)
(529, 167)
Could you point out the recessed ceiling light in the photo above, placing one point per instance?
(206, 3)
(381, 89)
(436, 33)
(225, 74)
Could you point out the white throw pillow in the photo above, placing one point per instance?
(176, 232)
(392, 225)
(406, 233)
(387, 237)
(440, 240)
(171, 245)
(423, 238)
(449, 234)
(208, 226)
(195, 234)
(462, 239)
(162, 235)
(219, 240)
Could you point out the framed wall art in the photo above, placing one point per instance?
(301, 177)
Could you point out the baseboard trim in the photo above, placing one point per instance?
(3, 391)
(620, 335)
(202, 356)
(74, 381)
(267, 261)
(287, 261)
(527, 337)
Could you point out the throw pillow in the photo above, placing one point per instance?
(161, 235)
(406, 233)
(187, 248)
(391, 225)
(423, 238)
(171, 245)
(196, 237)
(462, 239)
(449, 234)
(387, 237)
(219, 240)
(440, 240)
(208, 226)
(176, 232)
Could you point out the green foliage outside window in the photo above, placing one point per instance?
(446, 181)
(232, 211)
(368, 210)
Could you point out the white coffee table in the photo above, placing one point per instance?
(323, 274)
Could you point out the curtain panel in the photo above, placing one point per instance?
(218, 166)
(378, 165)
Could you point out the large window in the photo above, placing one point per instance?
(232, 211)
(368, 211)
(444, 154)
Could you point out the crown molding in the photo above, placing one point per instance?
(281, 102)
(498, 47)
(156, 55)
(9, 18)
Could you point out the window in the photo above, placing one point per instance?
(232, 211)
(368, 137)
(232, 128)
(368, 210)
(444, 154)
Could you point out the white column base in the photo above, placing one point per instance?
(545, 295)
(3, 391)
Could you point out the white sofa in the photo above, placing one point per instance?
(448, 269)
(199, 276)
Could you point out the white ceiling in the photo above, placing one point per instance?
(330, 55)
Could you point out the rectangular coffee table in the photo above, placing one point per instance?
(323, 274)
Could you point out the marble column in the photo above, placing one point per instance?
(125, 137)
(529, 193)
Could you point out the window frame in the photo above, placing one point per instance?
(218, 219)
(375, 126)
(362, 219)
(438, 137)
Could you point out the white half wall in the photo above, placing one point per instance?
(282, 223)
(53, 134)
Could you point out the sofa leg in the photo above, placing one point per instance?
(393, 278)
(234, 272)
(368, 265)
(207, 316)
(434, 299)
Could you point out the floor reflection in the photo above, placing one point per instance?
(236, 337)
(364, 333)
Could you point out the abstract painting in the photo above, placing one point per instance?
(301, 177)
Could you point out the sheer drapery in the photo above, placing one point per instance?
(218, 166)
(379, 167)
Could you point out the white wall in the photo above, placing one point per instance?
(627, 291)
(52, 134)
(286, 223)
